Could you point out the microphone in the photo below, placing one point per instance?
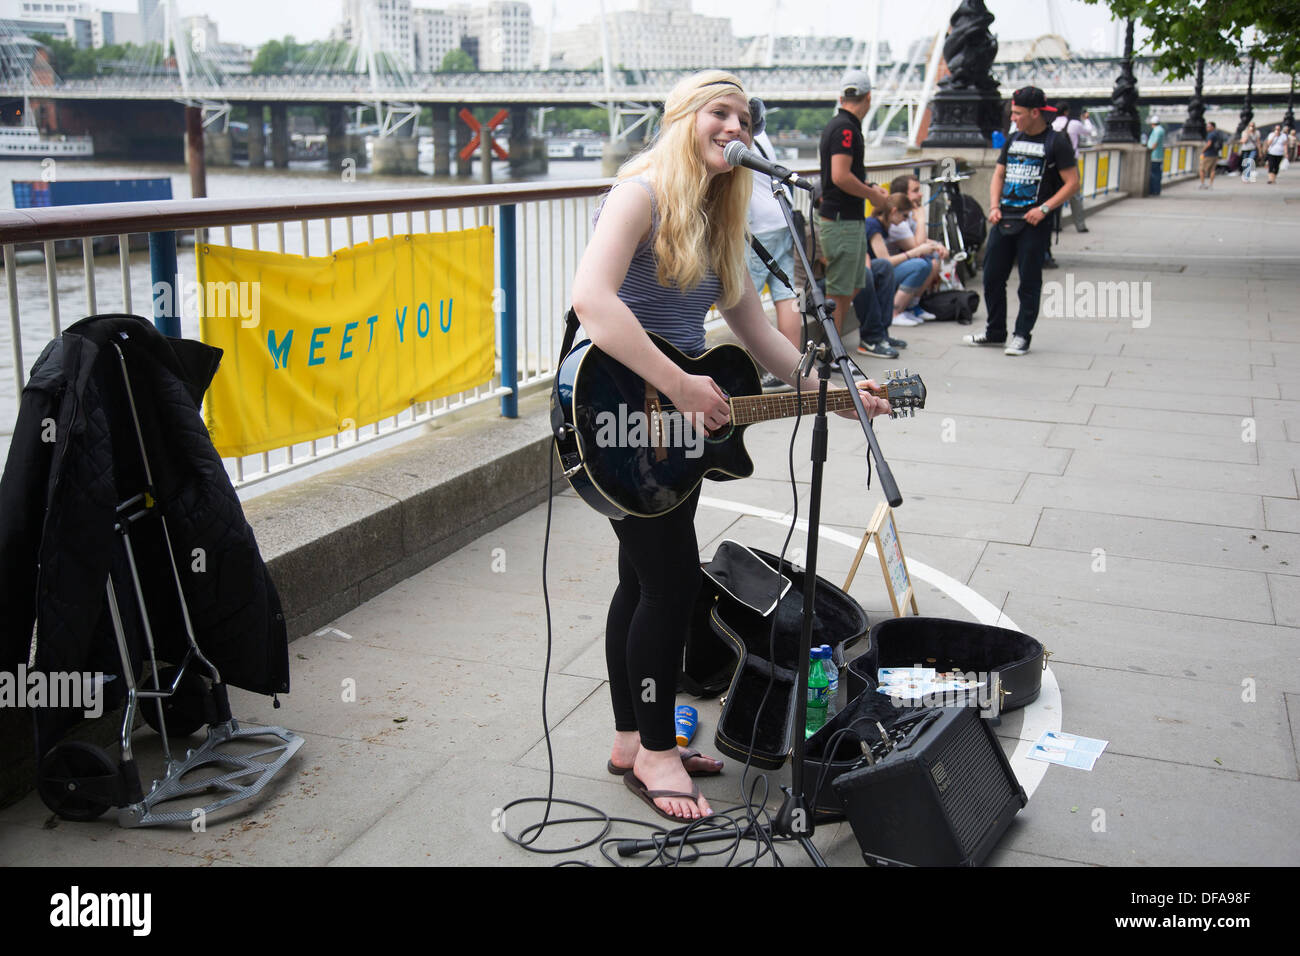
(736, 154)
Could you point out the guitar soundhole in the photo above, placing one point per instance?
(720, 436)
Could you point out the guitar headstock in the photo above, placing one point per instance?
(905, 392)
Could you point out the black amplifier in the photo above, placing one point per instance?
(941, 793)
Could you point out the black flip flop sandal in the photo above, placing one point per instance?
(686, 755)
(633, 783)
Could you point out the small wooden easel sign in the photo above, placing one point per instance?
(892, 564)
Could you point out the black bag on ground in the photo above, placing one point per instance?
(972, 223)
(957, 305)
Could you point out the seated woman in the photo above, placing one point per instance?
(911, 268)
(670, 241)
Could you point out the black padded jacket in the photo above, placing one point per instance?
(73, 459)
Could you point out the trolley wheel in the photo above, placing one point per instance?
(76, 780)
(184, 710)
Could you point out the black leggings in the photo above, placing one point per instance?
(658, 580)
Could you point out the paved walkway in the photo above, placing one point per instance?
(1127, 493)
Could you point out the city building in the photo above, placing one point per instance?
(436, 33)
(504, 29)
(768, 50)
(61, 20)
(153, 21)
(228, 58)
(658, 34)
(112, 27)
(56, 10)
(387, 23)
(497, 35)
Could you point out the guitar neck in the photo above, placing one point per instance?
(748, 409)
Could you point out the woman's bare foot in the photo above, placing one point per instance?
(626, 745)
(664, 770)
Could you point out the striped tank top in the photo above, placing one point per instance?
(665, 310)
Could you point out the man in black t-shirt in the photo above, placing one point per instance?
(1035, 175)
(842, 211)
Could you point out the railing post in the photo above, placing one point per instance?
(509, 309)
(163, 269)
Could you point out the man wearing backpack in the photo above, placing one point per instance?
(1035, 175)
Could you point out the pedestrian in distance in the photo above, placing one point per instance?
(1073, 128)
(1249, 152)
(844, 195)
(1215, 140)
(1275, 149)
(1156, 143)
(768, 227)
(1035, 174)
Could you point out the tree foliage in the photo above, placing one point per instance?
(290, 56)
(69, 62)
(1183, 31)
(457, 61)
(569, 118)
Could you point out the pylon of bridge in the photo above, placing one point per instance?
(255, 114)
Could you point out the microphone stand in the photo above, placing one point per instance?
(795, 818)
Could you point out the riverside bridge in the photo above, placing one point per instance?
(141, 114)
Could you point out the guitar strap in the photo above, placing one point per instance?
(557, 412)
(570, 333)
(766, 258)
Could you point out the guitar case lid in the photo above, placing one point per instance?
(746, 578)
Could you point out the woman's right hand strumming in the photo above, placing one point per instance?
(702, 401)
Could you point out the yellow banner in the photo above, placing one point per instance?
(314, 346)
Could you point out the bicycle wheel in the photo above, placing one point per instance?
(956, 243)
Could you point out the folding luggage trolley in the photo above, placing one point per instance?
(79, 781)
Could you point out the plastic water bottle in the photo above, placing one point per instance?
(818, 692)
(832, 681)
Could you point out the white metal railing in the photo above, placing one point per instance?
(1099, 171)
(1180, 161)
(46, 291)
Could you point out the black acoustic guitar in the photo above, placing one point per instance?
(626, 450)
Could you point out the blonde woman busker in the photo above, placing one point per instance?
(669, 242)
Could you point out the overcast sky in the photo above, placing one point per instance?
(1085, 26)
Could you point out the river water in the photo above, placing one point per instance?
(553, 238)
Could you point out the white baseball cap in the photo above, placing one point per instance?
(855, 83)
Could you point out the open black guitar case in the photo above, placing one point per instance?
(731, 646)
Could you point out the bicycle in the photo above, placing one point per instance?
(957, 209)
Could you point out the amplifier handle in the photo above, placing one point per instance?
(920, 728)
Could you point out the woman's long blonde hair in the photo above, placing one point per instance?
(702, 222)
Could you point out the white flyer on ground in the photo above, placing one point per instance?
(1069, 750)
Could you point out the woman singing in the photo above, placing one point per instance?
(670, 241)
